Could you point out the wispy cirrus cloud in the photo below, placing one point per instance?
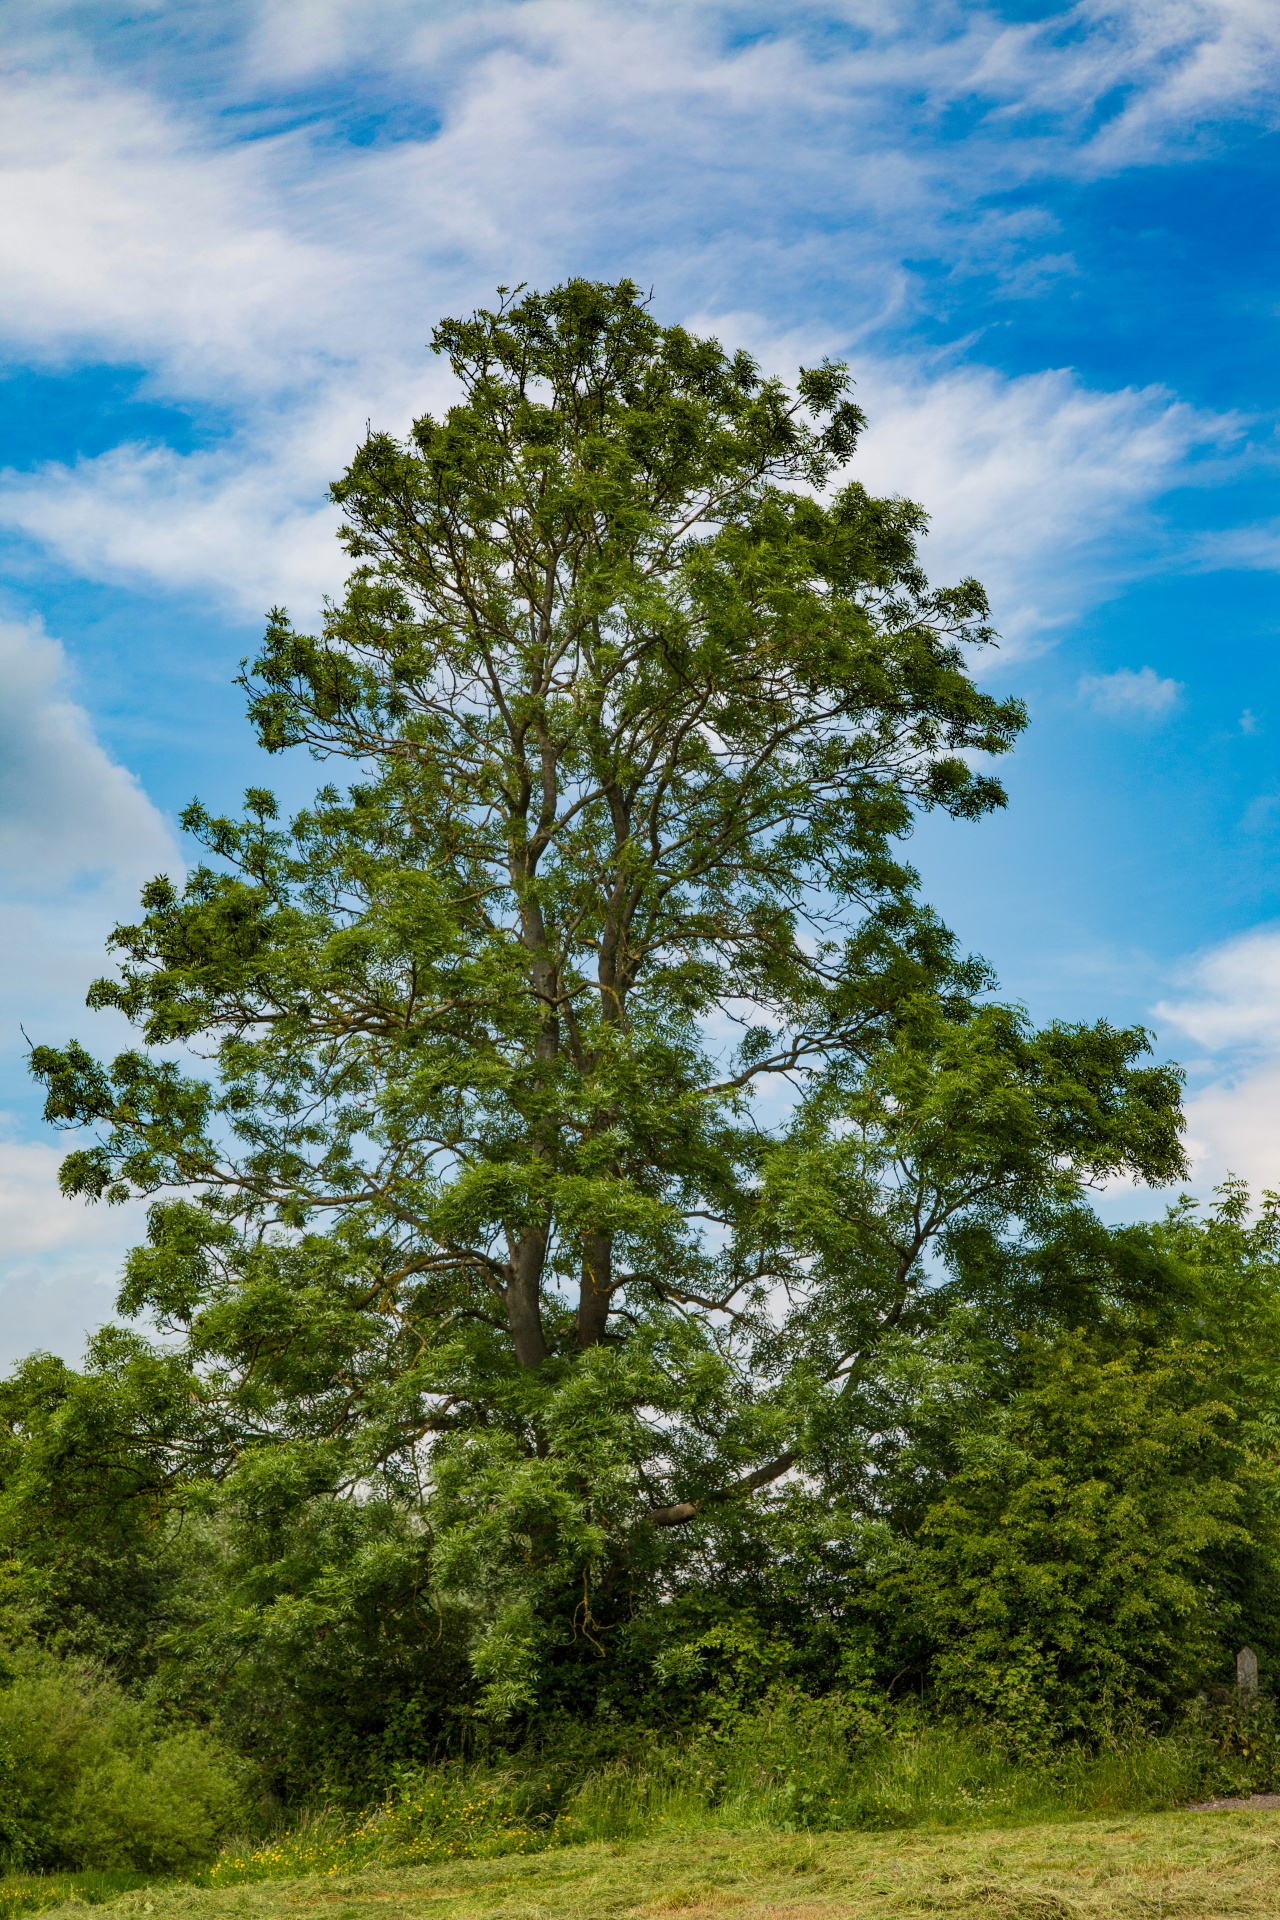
(1038, 483)
(231, 231)
(1109, 83)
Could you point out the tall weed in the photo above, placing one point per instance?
(450, 1813)
(793, 1764)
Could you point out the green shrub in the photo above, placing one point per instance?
(1065, 1571)
(89, 1780)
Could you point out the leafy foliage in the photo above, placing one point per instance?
(615, 1257)
(90, 1780)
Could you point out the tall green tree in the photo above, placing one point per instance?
(587, 1084)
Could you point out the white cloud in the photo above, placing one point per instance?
(126, 235)
(1038, 484)
(1126, 695)
(1230, 1007)
(1233, 1127)
(69, 816)
(1252, 549)
(251, 529)
(535, 130)
(1186, 64)
(77, 837)
(1233, 997)
(1159, 69)
(62, 1258)
(290, 279)
(35, 1219)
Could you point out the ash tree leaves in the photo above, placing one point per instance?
(635, 694)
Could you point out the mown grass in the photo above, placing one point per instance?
(1152, 1867)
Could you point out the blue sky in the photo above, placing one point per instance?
(1045, 237)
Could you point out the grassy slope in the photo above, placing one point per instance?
(1152, 1867)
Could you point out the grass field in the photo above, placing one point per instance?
(34, 1892)
(1153, 1867)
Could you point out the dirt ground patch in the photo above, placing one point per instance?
(1257, 1802)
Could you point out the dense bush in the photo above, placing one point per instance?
(1066, 1572)
(89, 1779)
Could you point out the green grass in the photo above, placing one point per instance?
(792, 1766)
(32, 1892)
(778, 1772)
(795, 1780)
(1150, 1867)
(780, 1815)
(760, 1778)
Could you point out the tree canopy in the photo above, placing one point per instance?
(548, 1127)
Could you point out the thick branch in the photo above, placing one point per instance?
(685, 1510)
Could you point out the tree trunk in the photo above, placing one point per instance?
(596, 1290)
(523, 1297)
